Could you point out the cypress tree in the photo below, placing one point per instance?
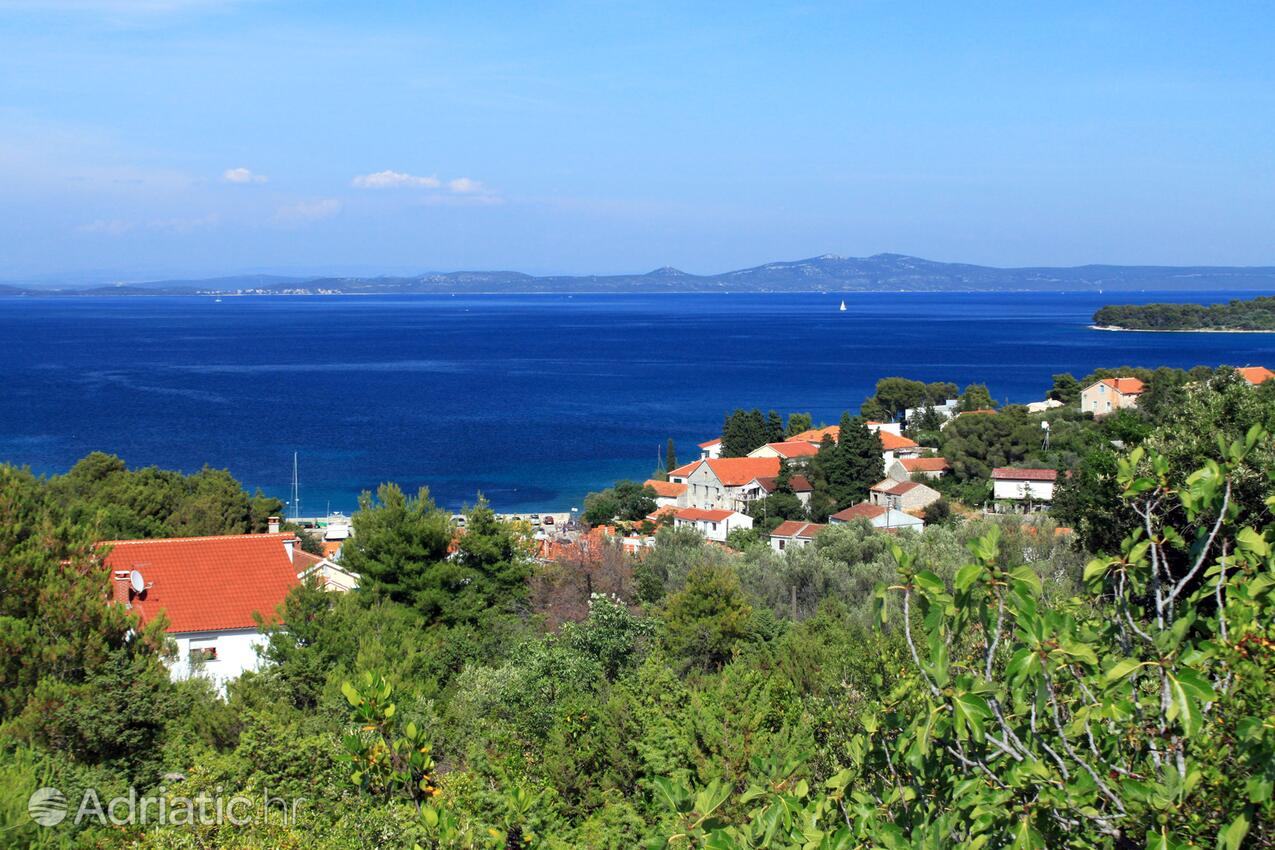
(774, 427)
(670, 456)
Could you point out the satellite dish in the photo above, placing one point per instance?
(1044, 426)
(136, 582)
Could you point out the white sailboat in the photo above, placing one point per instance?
(843, 306)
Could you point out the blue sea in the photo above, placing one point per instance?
(531, 400)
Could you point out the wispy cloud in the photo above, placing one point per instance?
(394, 180)
(464, 186)
(303, 212)
(242, 175)
(120, 226)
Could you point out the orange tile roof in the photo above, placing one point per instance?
(816, 435)
(892, 487)
(208, 583)
(738, 471)
(892, 442)
(798, 483)
(1010, 473)
(699, 515)
(866, 510)
(795, 448)
(924, 464)
(1256, 374)
(665, 489)
(797, 528)
(684, 469)
(1124, 386)
(710, 443)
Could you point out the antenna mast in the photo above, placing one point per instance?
(296, 489)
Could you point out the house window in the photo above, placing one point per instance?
(203, 650)
(714, 526)
(781, 545)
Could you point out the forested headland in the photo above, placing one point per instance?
(992, 682)
(1256, 314)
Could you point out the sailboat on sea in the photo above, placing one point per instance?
(843, 306)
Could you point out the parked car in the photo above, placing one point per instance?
(548, 520)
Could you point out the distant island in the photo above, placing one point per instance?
(826, 273)
(1255, 315)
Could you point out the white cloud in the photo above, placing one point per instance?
(307, 211)
(242, 175)
(393, 180)
(464, 186)
(107, 226)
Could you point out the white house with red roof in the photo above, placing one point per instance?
(760, 488)
(799, 450)
(711, 448)
(667, 492)
(712, 524)
(718, 483)
(1023, 485)
(794, 534)
(931, 467)
(878, 516)
(209, 589)
(1109, 395)
(1255, 375)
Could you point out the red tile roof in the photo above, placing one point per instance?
(685, 469)
(893, 442)
(665, 489)
(1124, 386)
(710, 443)
(700, 515)
(1256, 374)
(816, 435)
(797, 528)
(208, 583)
(864, 510)
(738, 471)
(924, 464)
(1009, 473)
(894, 488)
(795, 448)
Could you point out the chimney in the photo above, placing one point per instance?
(272, 525)
(288, 544)
(120, 587)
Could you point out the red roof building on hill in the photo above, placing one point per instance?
(788, 450)
(1255, 374)
(794, 533)
(210, 590)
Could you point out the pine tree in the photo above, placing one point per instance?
(798, 422)
(670, 456)
(774, 427)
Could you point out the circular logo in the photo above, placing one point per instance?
(47, 806)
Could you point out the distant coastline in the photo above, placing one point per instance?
(1253, 315)
(826, 273)
(1180, 330)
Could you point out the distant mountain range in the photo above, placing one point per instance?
(828, 273)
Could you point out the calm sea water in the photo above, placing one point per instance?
(533, 400)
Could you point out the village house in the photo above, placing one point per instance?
(798, 450)
(946, 410)
(930, 467)
(325, 570)
(903, 495)
(794, 534)
(760, 488)
(896, 447)
(1043, 406)
(667, 492)
(718, 483)
(712, 448)
(211, 590)
(893, 444)
(1023, 485)
(712, 524)
(1109, 395)
(886, 519)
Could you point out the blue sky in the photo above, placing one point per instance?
(148, 138)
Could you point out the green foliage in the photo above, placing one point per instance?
(845, 470)
(743, 431)
(976, 397)
(797, 423)
(708, 620)
(670, 456)
(1257, 314)
(627, 500)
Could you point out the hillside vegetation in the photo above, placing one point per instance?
(1257, 314)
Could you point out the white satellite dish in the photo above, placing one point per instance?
(136, 582)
